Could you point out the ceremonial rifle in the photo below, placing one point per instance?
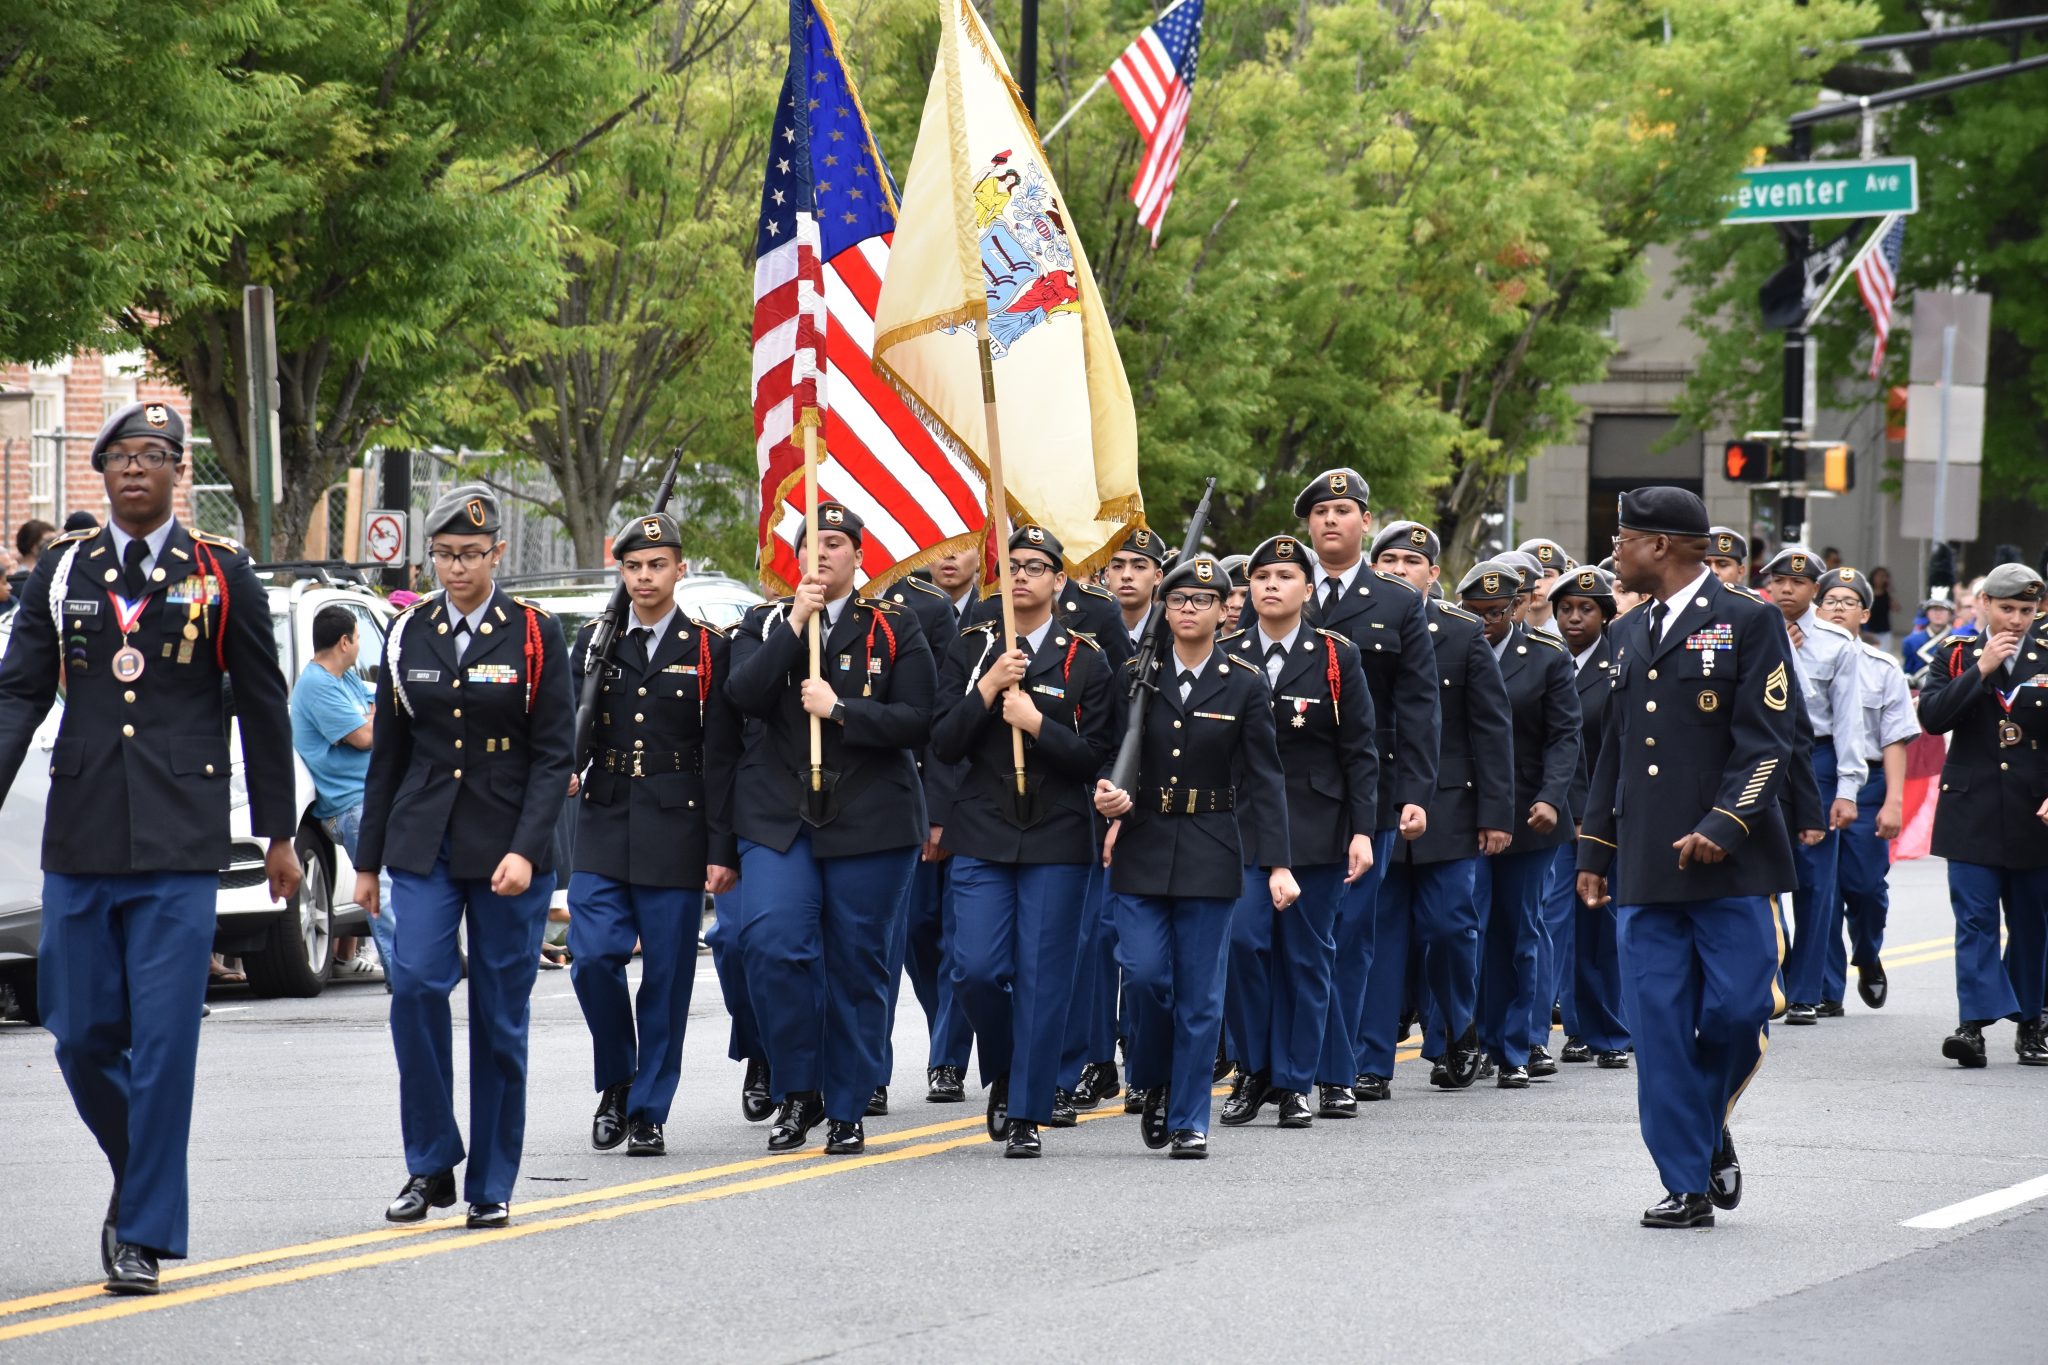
(1157, 639)
(604, 634)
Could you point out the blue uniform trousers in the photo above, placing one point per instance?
(1816, 909)
(1017, 930)
(1092, 1027)
(121, 975)
(504, 958)
(803, 917)
(1277, 1004)
(606, 918)
(1597, 1015)
(1866, 900)
(1174, 950)
(1507, 975)
(1697, 980)
(1556, 965)
(744, 1040)
(928, 958)
(1433, 903)
(1356, 933)
(1986, 988)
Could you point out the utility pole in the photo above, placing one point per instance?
(1027, 58)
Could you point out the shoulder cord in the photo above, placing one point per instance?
(60, 582)
(534, 656)
(1336, 679)
(210, 570)
(1955, 662)
(703, 671)
(974, 676)
(867, 656)
(1067, 677)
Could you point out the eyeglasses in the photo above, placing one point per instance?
(1846, 601)
(156, 457)
(1030, 568)
(1191, 601)
(1499, 613)
(1620, 540)
(468, 559)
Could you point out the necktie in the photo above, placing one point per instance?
(1187, 682)
(1332, 587)
(1273, 652)
(636, 645)
(133, 581)
(461, 635)
(1657, 614)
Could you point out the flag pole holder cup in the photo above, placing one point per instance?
(1023, 804)
(817, 802)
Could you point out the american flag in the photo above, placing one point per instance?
(1155, 78)
(1877, 280)
(828, 209)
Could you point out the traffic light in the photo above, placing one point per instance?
(1837, 468)
(1747, 461)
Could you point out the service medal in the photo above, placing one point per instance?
(129, 663)
(2009, 734)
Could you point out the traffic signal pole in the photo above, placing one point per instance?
(1798, 362)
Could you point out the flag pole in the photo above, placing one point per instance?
(1884, 225)
(999, 523)
(1075, 108)
(810, 422)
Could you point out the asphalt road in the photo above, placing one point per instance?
(1480, 1226)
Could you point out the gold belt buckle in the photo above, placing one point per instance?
(636, 764)
(1191, 800)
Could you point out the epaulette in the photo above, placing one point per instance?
(1095, 590)
(903, 585)
(218, 542)
(412, 606)
(1447, 609)
(1874, 652)
(1331, 635)
(1228, 635)
(1246, 664)
(881, 604)
(1743, 590)
(705, 625)
(83, 533)
(988, 626)
(1085, 638)
(1545, 637)
(1396, 578)
(533, 606)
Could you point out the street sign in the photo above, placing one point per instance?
(384, 536)
(1800, 191)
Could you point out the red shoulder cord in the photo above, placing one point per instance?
(1955, 663)
(703, 672)
(534, 655)
(875, 618)
(1336, 678)
(1067, 676)
(209, 568)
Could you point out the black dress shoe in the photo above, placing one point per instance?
(1336, 1102)
(1487, 1068)
(1829, 1009)
(1440, 1074)
(1541, 1063)
(1224, 1066)
(757, 1101)
(1611, 1059)
(1134, 1101)
(1512, 1078)
(1083, 1095)
(1294, 1110)
(1189, 1145)
(646, 1139)
(1724, 1184)
(1064, 1115)
(1461, 1063)
(1680, 1211)
(998, 1108)
(1100, 1078)
(845, 1137)
(133, 1270)
(422, 1192)
(1023, 1140)
(1557, 1014)
(608, 1124)
(1247, 1097)
(1369, 1088)
(942, 1085)
(110, 1239)
(1800, 1013)
(1872, 986)
(1409, 1018)
(1152, 1123)
(799, 1114)
(1575, 1051)
(489, 1215)
(878, 1103)
(1966, 1045)
(2031, 1044)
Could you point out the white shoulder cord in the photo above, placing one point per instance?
(60, 582)
(391, 660)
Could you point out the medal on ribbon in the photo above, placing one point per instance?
(128, 660)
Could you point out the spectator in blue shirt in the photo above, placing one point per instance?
(331, 729)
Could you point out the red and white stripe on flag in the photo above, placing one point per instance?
(1155, 79)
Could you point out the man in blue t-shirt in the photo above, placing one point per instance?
(331, 728)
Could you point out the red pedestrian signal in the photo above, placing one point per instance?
(1747, 461)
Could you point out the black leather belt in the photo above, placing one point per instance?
(648, 762)
(1192, 800)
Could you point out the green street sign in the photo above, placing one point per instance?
(1803, 190)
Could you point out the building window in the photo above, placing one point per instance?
(46, 444)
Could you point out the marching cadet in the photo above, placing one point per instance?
(1431, 890)
(1595, 1030)
(1238, 568)
(1278, 1000)
(1383, 615)
(826, 850)
(1826, 660)
(142, 622)
(1175, 856)
(1989, 694)
(1682, 817)
(1728, 555)
(1889, 728)
(469, 766)
(1135, 571)
(1551, 561)
(653, 834)
(1022, 843)
(1543, 710)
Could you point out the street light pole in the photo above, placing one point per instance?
(1027, 58)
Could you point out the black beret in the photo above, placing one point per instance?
(655, 531)
(1143, 542)
(1282, 550)
(1330, 486)
(1852, 580)
(467, 509)
(2012, 583)
(1795, 561)
(157, 420)
(834, 516)
(1199, 571)
(1407, 535)
(81, 520)
(1238, 567)
(1490, 580)
(1548, 554)
(1039, 539)
(1725, 542)
(1592, 583)
(1663, 511)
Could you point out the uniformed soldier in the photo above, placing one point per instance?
(469, 767)
(1551, 562)
(142, 622)
(1239, 570)
(1990, 696)
(1590, 986)
(1022, 844)
(1682, 817)
(1826, 660)
(1278, 1001)
(826, 850)
(743, 1040)
(1208, 766)
(1544, 711)
(1889, 728)
(653, 834)
(1432, 888)
(1728, 555)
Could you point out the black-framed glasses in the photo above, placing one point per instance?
(1191, 601)
(156, 457)
(1030, 568)
(1848, 600)
(1499, 613)
(468, 559)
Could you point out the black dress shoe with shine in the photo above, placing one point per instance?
(1575, 1051)
(757, 1100)
(1064, 1114)
(1724, 1183)
(422, 1192)
(1541, 1063)
(1829, 1009)
(1799, 1012)
(845, 1137)
(1152, 1123)
(998, 1108)
(2031, 1043)
(1461, 1063)
(1680, 1211)
(878, 1103)
(1134, 1100)
(110, 1238)
(1611, 1059)
(1023, 1140)
(1294, 1110)
(1369, 1088)
(942, 1085)
(1440, 1074)
(608, 1124)
(1872, 986)
(1966, 1046)
(799, 1114)
(134, 1270)
(1190, 1145)
(646, 1139)
(1247, 1097)
(1512, 1078)
(489, 1215)
(1336, 1102)
(1101, 1080)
